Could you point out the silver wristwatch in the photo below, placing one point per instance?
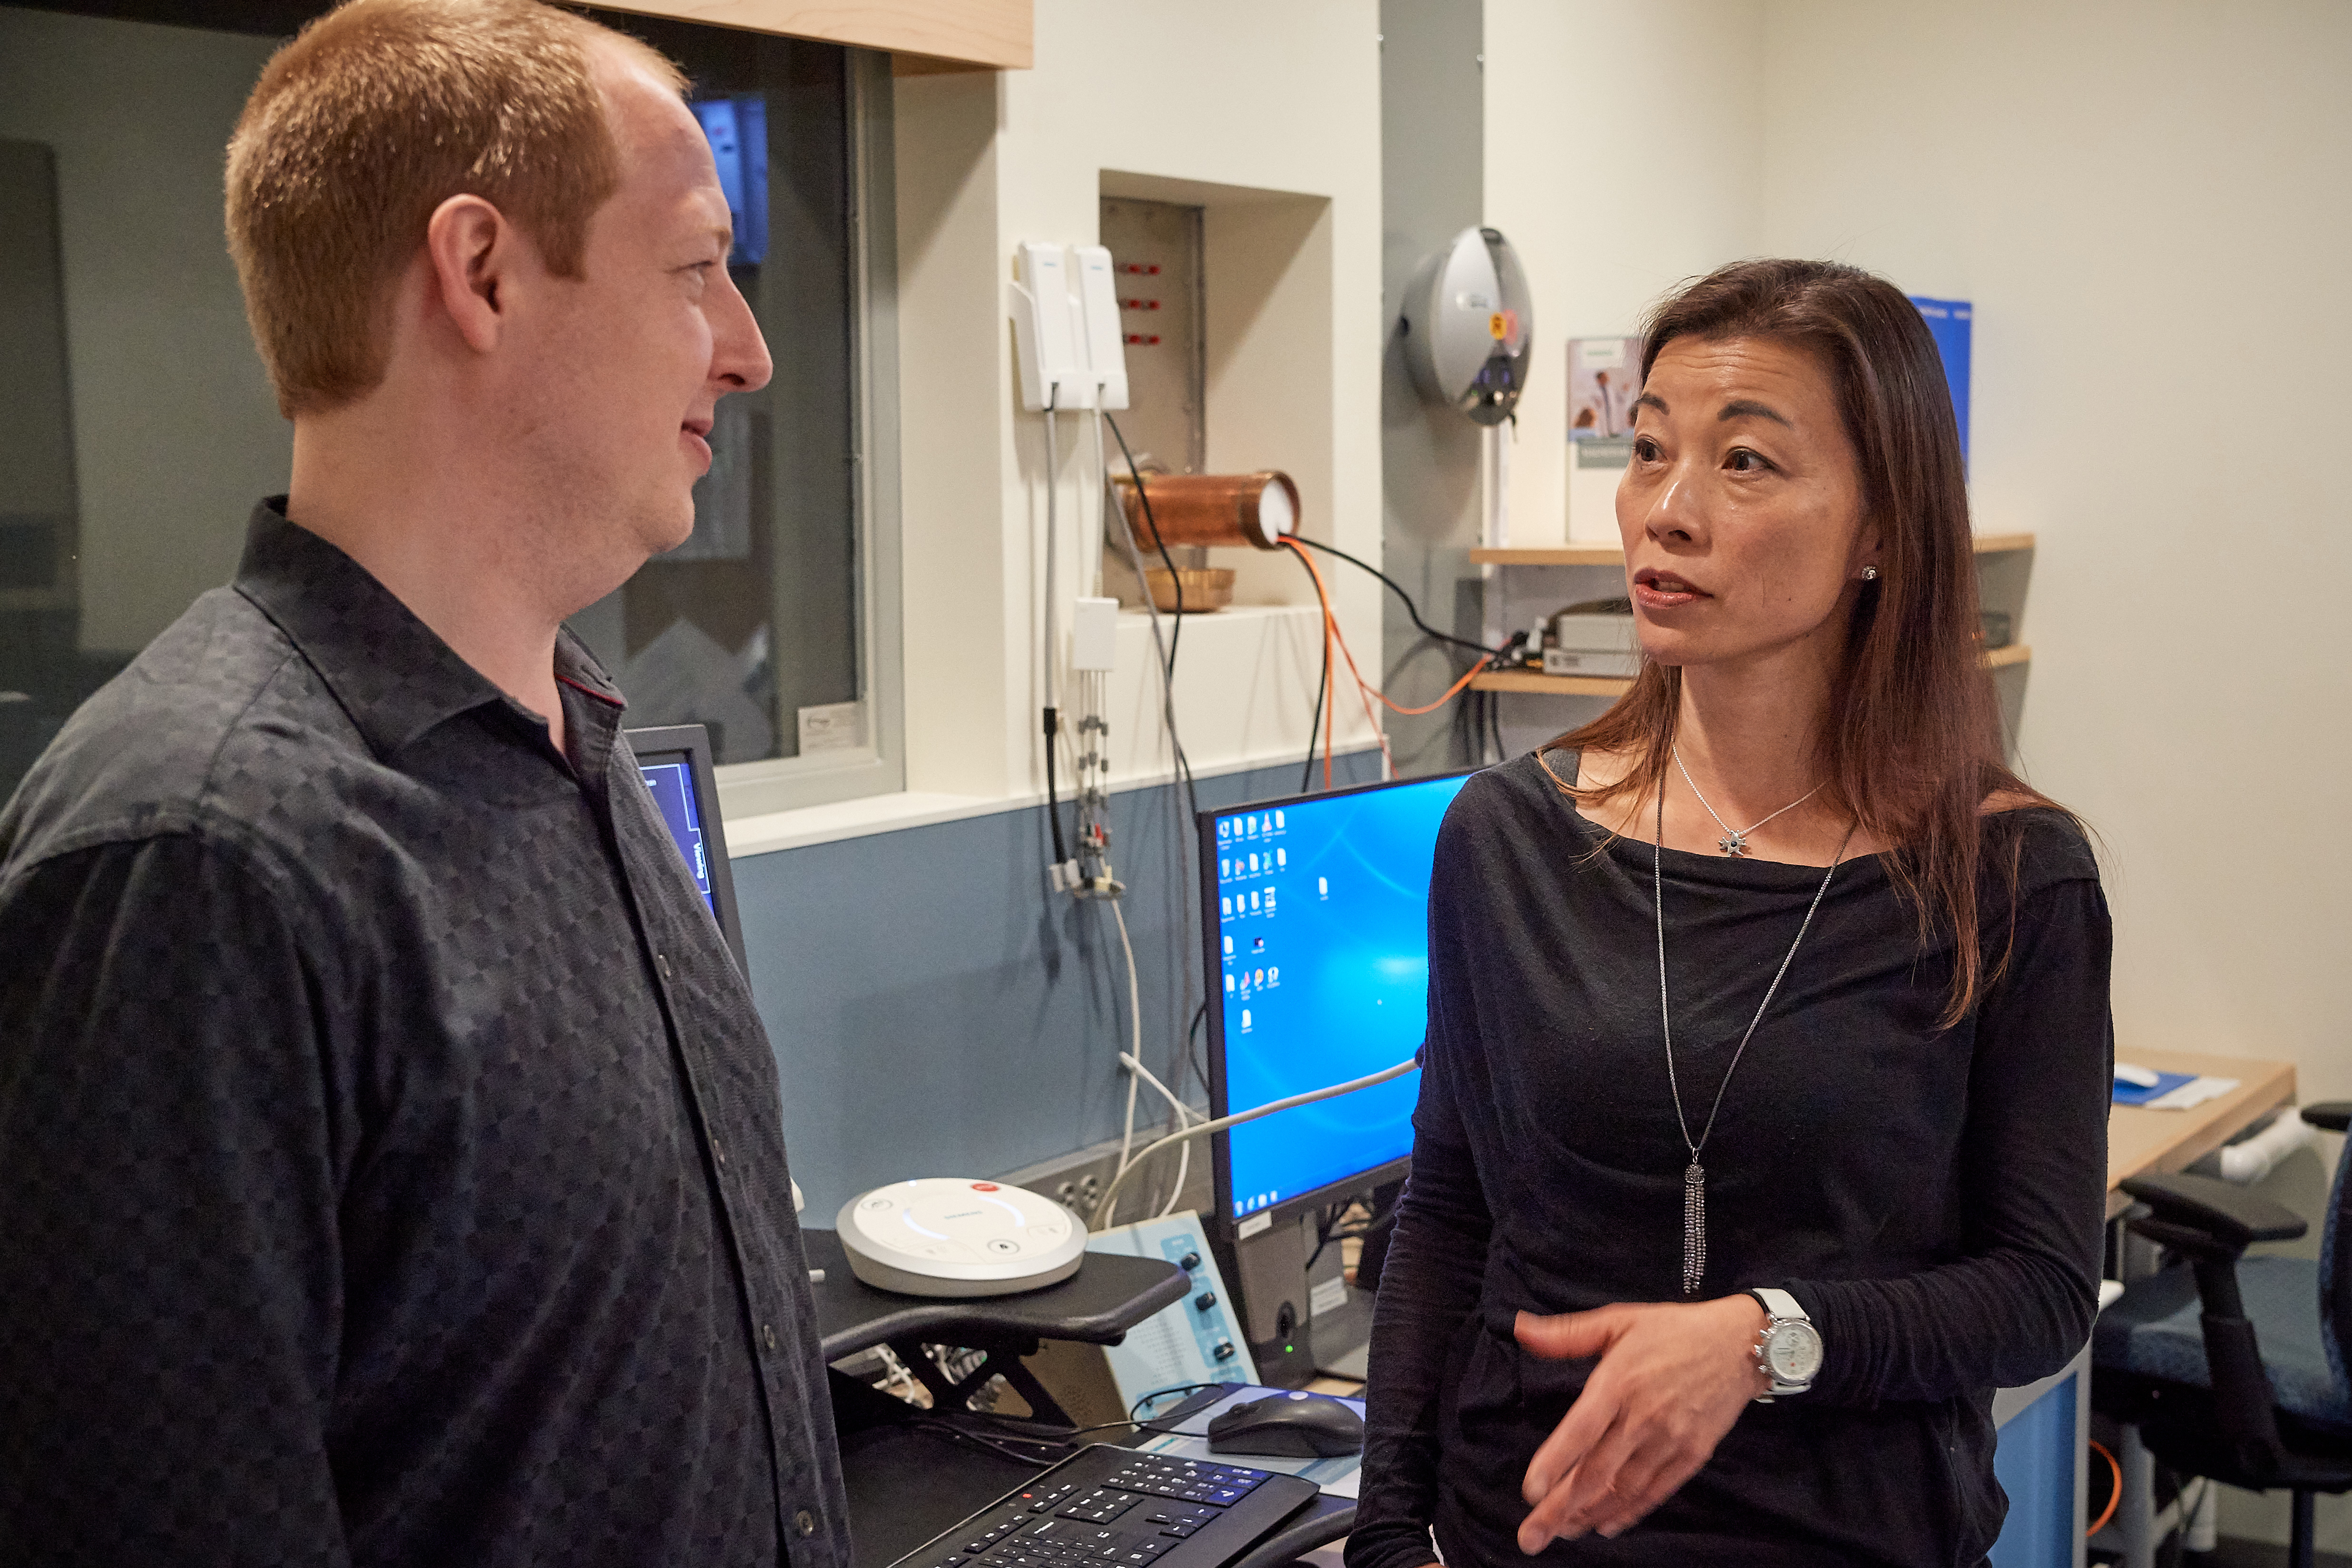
(1788, 1347)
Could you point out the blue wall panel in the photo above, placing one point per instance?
(935, 1011)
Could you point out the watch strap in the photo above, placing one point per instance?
(1779, 1308)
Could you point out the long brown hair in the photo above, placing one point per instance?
(1912, 744)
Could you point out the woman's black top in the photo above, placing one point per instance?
(1934, 1198)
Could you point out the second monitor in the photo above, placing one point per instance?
(1317, 922)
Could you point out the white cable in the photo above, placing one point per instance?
(1185, 1113)
(1135, 1019)
(1053, 529)
(1218, 1124)
(1176, 1193)
(1185, 1116)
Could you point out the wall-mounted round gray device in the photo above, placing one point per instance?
(953, 1237)
(1469, 325)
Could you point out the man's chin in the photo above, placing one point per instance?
(667, 534)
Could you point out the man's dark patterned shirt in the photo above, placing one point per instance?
(391, 1161)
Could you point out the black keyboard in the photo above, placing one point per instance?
(1104, 1506)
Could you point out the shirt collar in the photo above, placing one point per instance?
(389, 671)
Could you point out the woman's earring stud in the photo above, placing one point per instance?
(1870, 573)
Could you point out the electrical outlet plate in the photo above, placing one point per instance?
(1076, 1180)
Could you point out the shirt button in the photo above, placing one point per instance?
(768, 1333)
(805, 1523)
(716, 1152)
(661, 961)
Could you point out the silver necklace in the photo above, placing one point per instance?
(1734, 839)
(1695, 1175)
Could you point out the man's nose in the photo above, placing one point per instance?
(739, 354)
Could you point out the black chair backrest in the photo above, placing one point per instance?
(2335, 1248)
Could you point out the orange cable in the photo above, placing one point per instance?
(2115, 1496)
(1451, 692)
(1325, 694)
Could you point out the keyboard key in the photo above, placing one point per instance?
(1099, 1507)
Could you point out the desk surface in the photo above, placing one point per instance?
(1107, 1295)
(2155, 1143)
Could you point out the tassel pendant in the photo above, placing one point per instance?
(1694, 1228)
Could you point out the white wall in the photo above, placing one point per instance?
(1156, 91)
(2147, 205)
(1622, 156)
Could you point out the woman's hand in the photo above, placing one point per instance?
(1672, 1380)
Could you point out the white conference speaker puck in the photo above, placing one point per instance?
(941, 1236)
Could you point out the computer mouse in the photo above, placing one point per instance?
(1289, 1425)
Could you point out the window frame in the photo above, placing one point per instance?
(878, 764)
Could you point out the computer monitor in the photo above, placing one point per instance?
(1316, 909)
(676, 761)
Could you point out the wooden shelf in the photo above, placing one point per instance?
(1555, 555)
(1553, 685)
(1613, 555)
(1535, 681)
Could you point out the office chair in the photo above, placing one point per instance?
(2234, 1367)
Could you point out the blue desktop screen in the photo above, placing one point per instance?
(1323, 933)
(671, 778)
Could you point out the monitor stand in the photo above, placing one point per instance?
(1343, 1337)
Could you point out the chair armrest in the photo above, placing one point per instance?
(2331, 1116)
(2231, 1217)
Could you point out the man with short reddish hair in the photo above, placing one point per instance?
(390, 1160)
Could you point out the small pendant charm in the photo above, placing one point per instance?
(1694, 1228)
(1734, 843)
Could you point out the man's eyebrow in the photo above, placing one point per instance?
(1748, 408)
(1652, 400)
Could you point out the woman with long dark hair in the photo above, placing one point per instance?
(1762, 1121)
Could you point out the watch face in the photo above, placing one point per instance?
(1793, 1351)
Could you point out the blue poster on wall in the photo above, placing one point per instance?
(1948, 321)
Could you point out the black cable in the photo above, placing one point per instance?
(1410, 607)
(1314, 724)
(1173, 1388)
(1495, 722)
(1192, 1045)
(1063, 1437)
(1053, 805)
(1176, 634)
(1325, 1234)
(938, 1428)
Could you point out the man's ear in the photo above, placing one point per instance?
(471, 249)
